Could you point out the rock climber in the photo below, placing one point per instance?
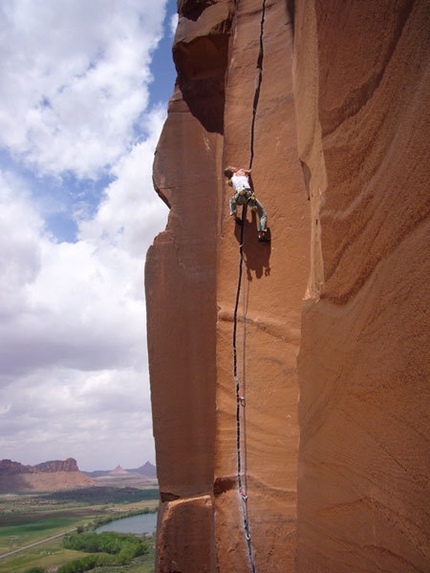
(243, 195)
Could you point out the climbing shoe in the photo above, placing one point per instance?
(263, 237)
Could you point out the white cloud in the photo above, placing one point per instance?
(73, 361)
(173, 24)
(20, 259)
(72, 338)
(72, 335)
(75, 79)
(131, 212)
(83, 415)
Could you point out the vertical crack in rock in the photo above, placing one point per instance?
(353, 110)
(258, 442)
(240, 393)
(258, 81)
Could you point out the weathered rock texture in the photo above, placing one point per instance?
(362, 91)
(326, 101)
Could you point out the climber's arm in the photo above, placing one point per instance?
(242, 171)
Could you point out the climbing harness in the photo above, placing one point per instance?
(240, 395)
(245, 196)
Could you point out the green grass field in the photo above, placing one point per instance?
(27, 519)
(52, 554)
(48, 555)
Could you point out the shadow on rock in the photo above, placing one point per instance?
(256, 255)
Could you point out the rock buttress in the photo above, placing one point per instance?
(362, 87)
(180, 283)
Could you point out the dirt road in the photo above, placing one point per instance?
(36, 543)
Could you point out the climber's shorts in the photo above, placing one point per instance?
(241, 197)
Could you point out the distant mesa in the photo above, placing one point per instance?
(57, 475)
(53, 475)
(9, 467)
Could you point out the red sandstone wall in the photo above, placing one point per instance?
(275, 276)
(180, 281)
(341, 116)
(192, 275)
(362, 85)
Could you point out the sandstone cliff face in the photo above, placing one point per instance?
(362, 69)
(326, 102)
(192, 279)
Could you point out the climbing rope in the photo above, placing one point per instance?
(240, 395)
(240, 402)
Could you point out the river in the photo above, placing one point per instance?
(137, 524)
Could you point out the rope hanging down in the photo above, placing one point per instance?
(240, 402)
(240, 397)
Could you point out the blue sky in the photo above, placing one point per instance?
(84, 95)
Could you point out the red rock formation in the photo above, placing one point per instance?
(9, 467)
(46, 476)
(192, 274)
(357, 150)
(362, 87)
(268, 318)
(69, 465)
(181, 297)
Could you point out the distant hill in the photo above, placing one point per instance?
(54, 475)
(148, 471)
(118, 471)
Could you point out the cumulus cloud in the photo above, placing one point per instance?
(75, 80)
(130, 211)
(21, 254)
(73, 333)
(55, 413)
(74, 378)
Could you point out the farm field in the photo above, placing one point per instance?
(27, 519)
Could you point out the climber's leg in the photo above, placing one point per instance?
(233, 206)
(262, 216)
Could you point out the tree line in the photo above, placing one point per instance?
(107, 548)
